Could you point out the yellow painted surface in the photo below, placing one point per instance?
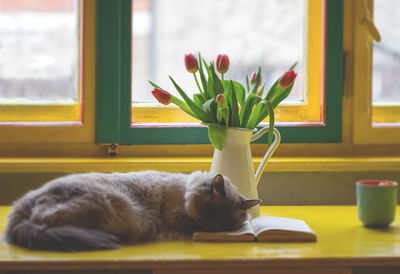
(386, 113)
(342, 241)
(189, 164)
(310, 110)
(40, 113)
(59, 133)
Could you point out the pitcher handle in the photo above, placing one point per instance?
(269, 152)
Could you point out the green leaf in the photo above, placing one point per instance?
(217, 135)
(233, 105)
(179, 102)
(254, 86)
(220, 117)
(254, 117)
(203, 116)
(240, 91)
(183, 106)
(262, 90)
(210, 106)
(188, 111)
(210, 85)
(198, 98)
(271, 122)
(218, 88)
(247, 83)
(263, 114)
(281, 95)
(245, 112)
(210, 89)
(272, 90)
(262, 110)
(223, 115)
(202, 76)
(293, 66)
(154, 85)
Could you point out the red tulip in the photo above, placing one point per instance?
(253, 78)
(222, 63)
(287, 79)
(164, 97)
(220, 99)
(191, 63)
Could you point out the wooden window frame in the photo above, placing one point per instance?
(366, 129)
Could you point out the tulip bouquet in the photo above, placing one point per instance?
(224, 103)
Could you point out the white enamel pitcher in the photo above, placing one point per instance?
(235, 161)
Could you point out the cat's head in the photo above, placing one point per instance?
(214, 203)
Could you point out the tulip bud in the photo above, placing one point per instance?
(220, 99)
(222, 63)
(162, 96)
(253, 78)
(191, 63)
(287, 79)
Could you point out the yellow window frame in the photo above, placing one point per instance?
(366, 128)
(309, 111)
(58, 123)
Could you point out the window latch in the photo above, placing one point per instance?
(368, 22)
(112, 149)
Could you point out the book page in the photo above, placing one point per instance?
(277, 223)
(245, 233)
(269, 228)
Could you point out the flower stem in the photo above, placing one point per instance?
(222, 79)
(197, 83)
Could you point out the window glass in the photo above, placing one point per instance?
(38, 51)
(253, 33)
(386, 62)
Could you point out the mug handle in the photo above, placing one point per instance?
(270, 151)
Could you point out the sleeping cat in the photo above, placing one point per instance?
(101, 211)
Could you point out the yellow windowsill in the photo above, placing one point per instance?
(188, 164)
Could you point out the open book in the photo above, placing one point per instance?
(263, 229)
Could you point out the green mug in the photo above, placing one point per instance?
(376, 202)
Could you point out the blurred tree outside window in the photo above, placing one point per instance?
(253, 33)
(39, 51)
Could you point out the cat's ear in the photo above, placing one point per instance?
(218, 184)
(249, 203)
